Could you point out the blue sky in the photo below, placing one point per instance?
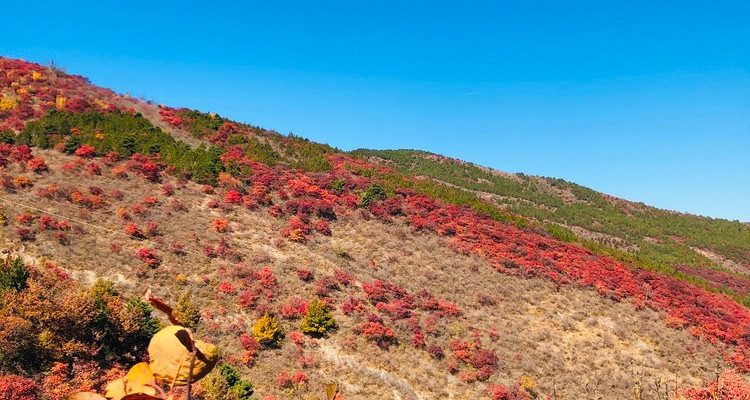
(649, 101)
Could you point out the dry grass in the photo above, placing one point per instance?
(573, 342)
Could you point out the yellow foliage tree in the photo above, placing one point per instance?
(36, 75)
(267, 331)
(60, 102)
(8, 103)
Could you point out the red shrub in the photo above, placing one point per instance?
(25, 234)
(167, 189)
(294, 309)
(500, 392)
(353, 305)
(730, 387)
(323, 227)
(249, 342)
(149, 201)
(376, 292)
(284, 381)
(266, 277)
(226, 287)
(378, 333)
(94, 169)
(305, 275)
(14, 387)
(220, 225)
(482, 363)
(37, 165)
(343, 277)
(297, 338)
(324, 285)
(233, 197)
(247, 298)
(77, 105)
(131, 229)
(152, 228)
(436, 351)
(112, 157)
(276, 211)
(148, 256)
(417, 340)
(25, 219)
(300, 378)
(85, 151)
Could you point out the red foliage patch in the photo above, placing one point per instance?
(14, 387)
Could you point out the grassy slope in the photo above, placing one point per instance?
(653, 237)
(566, 333)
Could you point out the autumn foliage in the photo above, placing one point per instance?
(47, 323)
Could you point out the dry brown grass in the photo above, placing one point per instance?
(573, 342)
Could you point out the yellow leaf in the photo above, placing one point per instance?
(331, 390)
(85, 396)
(134, 383)
(139, 396)
(119, 389)
(170, 352)
(140, 375)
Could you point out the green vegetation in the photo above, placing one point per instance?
(125, 134)
(307, 155)
(117, 336)
(13, 274)
(633, 232)
(225, 383)
(7, 137)
(186, 312)
(373, 193)
(441, 191)
(201, 124)
(296, 151)
(318, 320)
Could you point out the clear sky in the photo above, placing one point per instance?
(646, 100)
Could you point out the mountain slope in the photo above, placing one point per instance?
(712, 249)
(439, 296)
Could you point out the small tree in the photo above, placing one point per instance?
(186, 312)
(225, 383)
(267, 331)
(7, 136)
(13, 274)
(318, 320)
(373, 193)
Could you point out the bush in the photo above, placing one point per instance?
(186, 312)
(13, 387)
(373, 193)
(318, 320)
(7, 137)
(267, 331)
(13, 274)
(376, 332)
(225, 383)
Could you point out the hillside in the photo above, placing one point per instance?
(468, 284)
(712, 252)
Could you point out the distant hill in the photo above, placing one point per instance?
(445, 279)
(687, 246)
